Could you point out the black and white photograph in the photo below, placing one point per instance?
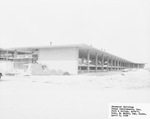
(74, 59)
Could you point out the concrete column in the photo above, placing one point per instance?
(88, 58)
(102, 62)
(15, 54)
(134, 66)
(32, 56)
(138, 66)
(126, 65)
(96, 56)
(118, 65)
(77, 58)
(114, 64)
(110, 63)
(107, 63)
(7, 55)
(121, 64)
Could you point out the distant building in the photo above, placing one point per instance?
(74, 59)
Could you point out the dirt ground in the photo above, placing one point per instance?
(85, 96)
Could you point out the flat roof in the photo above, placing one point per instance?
(81, 46)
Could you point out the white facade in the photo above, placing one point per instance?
(65, 59)
(6, 66)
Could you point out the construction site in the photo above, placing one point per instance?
(73, 59)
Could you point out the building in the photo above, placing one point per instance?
(74, 59)
(6, 61)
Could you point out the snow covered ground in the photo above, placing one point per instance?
(84, 96)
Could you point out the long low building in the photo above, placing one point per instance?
(74, 59)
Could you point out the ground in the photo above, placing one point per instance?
(84, 96)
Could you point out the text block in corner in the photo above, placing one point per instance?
(129, 111)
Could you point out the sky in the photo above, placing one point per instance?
(121, 27)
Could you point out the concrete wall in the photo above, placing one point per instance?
(65, 59)
(6, 66)
(36, 69)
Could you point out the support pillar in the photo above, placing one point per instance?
(6, 55)
(118, 65)
(32, 56)
(114, 64)
(121, 64)
(124, 65)
(107, 63)
(102, 62)
(111, 62)
(15, 54)
(88, 58)
(96, 61)
(127, 65)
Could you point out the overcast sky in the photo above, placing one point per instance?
(121, 27)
